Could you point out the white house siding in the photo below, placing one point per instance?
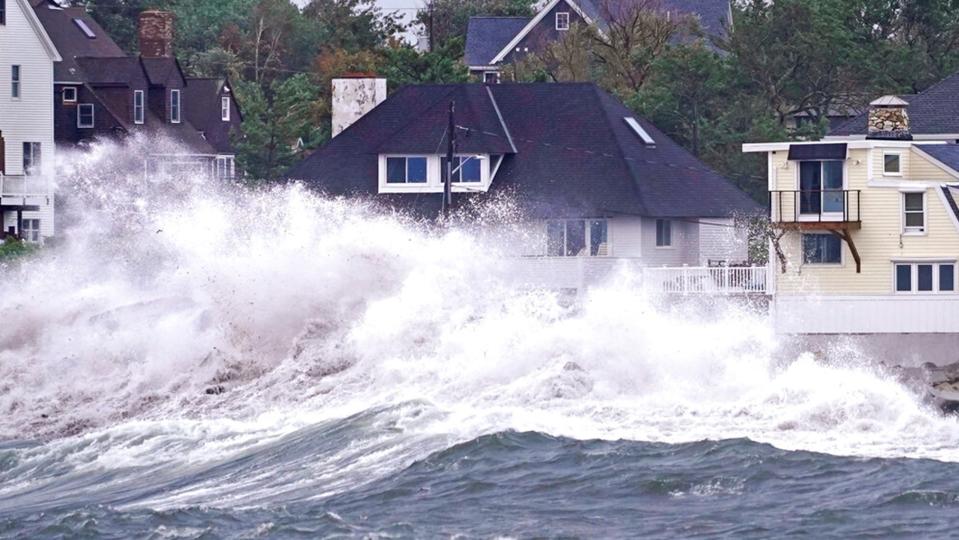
(684, 248)
(721, 240)
(626, 237)
(30, 118)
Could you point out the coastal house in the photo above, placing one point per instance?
(590, 178)
(103, 93)
(494, 42)
(27, 57)
(867, 222)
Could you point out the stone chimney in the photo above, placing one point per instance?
(889, 119)
(354, 95)
(156, 34)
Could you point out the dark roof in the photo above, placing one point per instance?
(162, 71)
(487, 36)
(934, 111)
(947, 154)
(575, 154)
(202, 105)
(712, 14)
(950, 193)
(70, 40)
(123, 70)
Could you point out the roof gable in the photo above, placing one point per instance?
(71, 40)
(487, 36)
(48, 45)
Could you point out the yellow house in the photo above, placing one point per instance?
(866, 227)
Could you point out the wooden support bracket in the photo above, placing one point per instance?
(845, 236)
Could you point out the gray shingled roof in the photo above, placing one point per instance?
(575, 155)
(486, 37)
(712, 14)
(947, 154)
(934, 111)
(70, 41)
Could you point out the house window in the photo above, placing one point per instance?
(562, 20)
(15, 82)
(821, 187)
(491, 77)
(466, 169)
(664, 233)
(406, 170)
(138, 106)
(175, 106)
(225, 167)
(85, 115)
(577, 238)
(3, 12)
(821, 249)
(892, 164)
(921, 277)
(914, 212)
(31, 158)
(30, 230)
(69, 94)
(225, 108)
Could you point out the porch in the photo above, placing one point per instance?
(582, 272)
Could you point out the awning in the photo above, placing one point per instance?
(830, 151)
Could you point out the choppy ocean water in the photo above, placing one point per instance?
(174, 372)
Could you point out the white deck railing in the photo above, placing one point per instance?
(582, 272)
(23, 186)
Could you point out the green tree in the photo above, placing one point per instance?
(444, 20)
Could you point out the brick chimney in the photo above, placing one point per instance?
(354, 95)
(156, 34)
(889, 119)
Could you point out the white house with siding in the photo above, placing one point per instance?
(866, 222)
(26, 123)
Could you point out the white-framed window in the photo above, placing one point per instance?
(85, 115)
(174, 106)
(406, 170)
(491, 77)
(664, 233)
(139, 106)
(577, 238)
(69, 94)
(225, 167)
(924, 277)
(32, 159)
(225, 108)
(466, 169)
(15, 75)
(821, 248)
(892, 163)
(30, 230)
(914, 212)
(562, 20)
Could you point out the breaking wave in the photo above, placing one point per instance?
(318, 345)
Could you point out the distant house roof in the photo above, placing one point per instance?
(70, 39)
(568, 152)
(934, 111)
(486, 36)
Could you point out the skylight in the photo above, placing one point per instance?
(638, 129)
(84, 28)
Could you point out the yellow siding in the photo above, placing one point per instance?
(880, 240)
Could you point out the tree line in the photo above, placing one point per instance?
(711, 94)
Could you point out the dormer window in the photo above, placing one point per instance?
(466, 169)
(225, 108)
(406, 170)
(174, 106)
(562, 20)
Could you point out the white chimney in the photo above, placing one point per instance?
(354, 95)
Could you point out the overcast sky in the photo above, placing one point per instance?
(407, 8)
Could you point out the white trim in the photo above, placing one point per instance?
(434, 176)
(93, 116)
(532, 24)
(38, 28)
(502, 122)
(226, 103)
(902, 185)
(914, 277)
(947, 207)
(142, 107)
(638, 129)
(947, 169)
(850, 145)
(556, 21)
(179, 106)
(64, 94)
(898, 154)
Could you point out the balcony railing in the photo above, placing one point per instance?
(24, 186)
(815, 206)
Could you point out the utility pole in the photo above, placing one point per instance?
(450, 152)
(431, 25)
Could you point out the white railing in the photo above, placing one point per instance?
(706, 280)
(582, 272)
(23, 186)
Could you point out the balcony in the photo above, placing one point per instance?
(24, 190)
(822, 209)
